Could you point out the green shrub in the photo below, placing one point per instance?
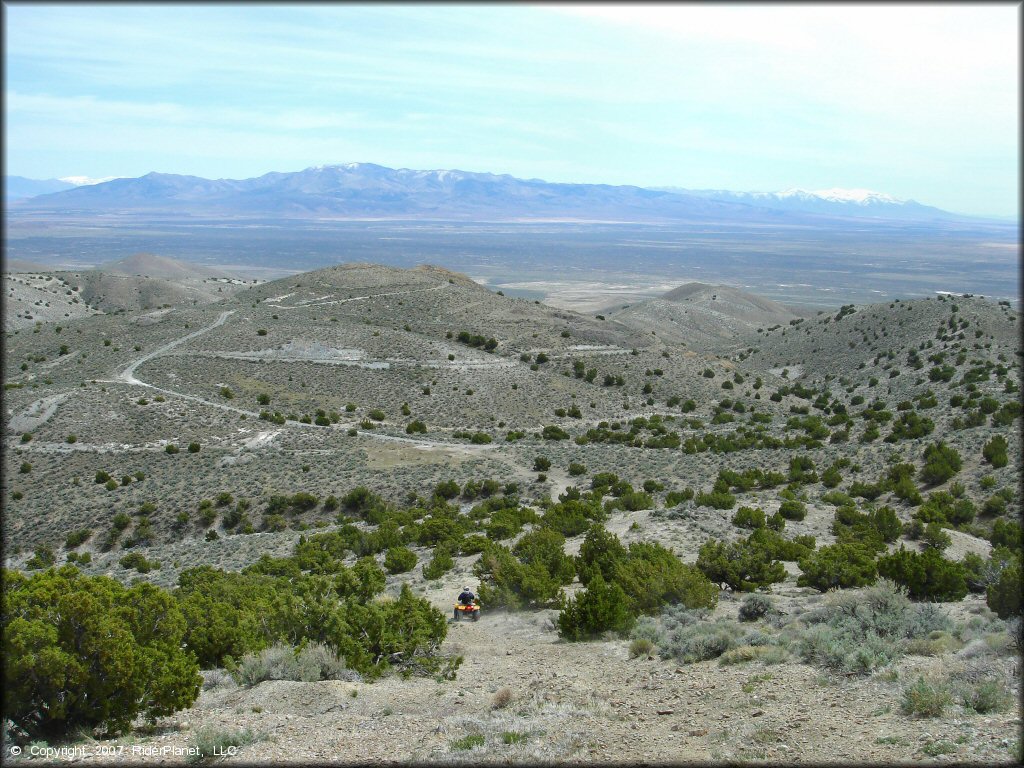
(633, 501)
(683, 635)
(553, 432)
(640, 646)
(927, 576)
(546, 547)
(77, 538)
(838, 565)
(399, 560)
(755, 607)
(935, 538)
(941, 462)
(308, 663)
(943, 508)
(573, 516)
(675, 498)
(994, 451)
(447, 489)
(925, 699)
(651, 576)
(794, 510)
(911, 426)
(534, 581)
(598, 609)
(776, 547)
(1004, 595)
(801, 470)
(741, 565)
(439, 564)
(1006, 534)
(212, 742)
(987, 696)
(748, 517)
(887, 523)
(857, 632)
(716, 500)
(85, 651)
(468, 742)
(41, 558)
(137, 561)
(231, 614)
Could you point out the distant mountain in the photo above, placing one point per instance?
(365, 190)
(827, 202)
(19, 188)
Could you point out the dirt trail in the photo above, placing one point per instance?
(580, 702)
(128, 374)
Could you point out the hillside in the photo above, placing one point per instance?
(704, 316)
(370, 409)
(152, 265)
(138, 282)
(32, 297)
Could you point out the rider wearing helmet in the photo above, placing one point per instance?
(466, 597)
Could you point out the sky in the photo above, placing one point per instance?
(918, 101)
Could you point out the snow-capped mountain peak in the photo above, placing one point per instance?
(859, 196)
(86, 181)
(835, 195)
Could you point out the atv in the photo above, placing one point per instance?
(472, 611)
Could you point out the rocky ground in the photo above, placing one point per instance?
(587, 703)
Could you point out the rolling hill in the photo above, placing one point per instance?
(361, 413)
(703, 316)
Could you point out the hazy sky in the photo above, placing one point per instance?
(918, 101)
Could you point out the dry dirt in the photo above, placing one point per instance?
(588, 702)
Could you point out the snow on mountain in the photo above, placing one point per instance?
(366, 189)
(85, 181)
(859, 196)
(836, 201)
(834, 195)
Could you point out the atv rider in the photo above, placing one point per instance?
(466, 597)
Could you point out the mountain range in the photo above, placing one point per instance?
(20, 188)
(366, 190)
(827, 202)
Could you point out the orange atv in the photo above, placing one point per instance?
(472, 611)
